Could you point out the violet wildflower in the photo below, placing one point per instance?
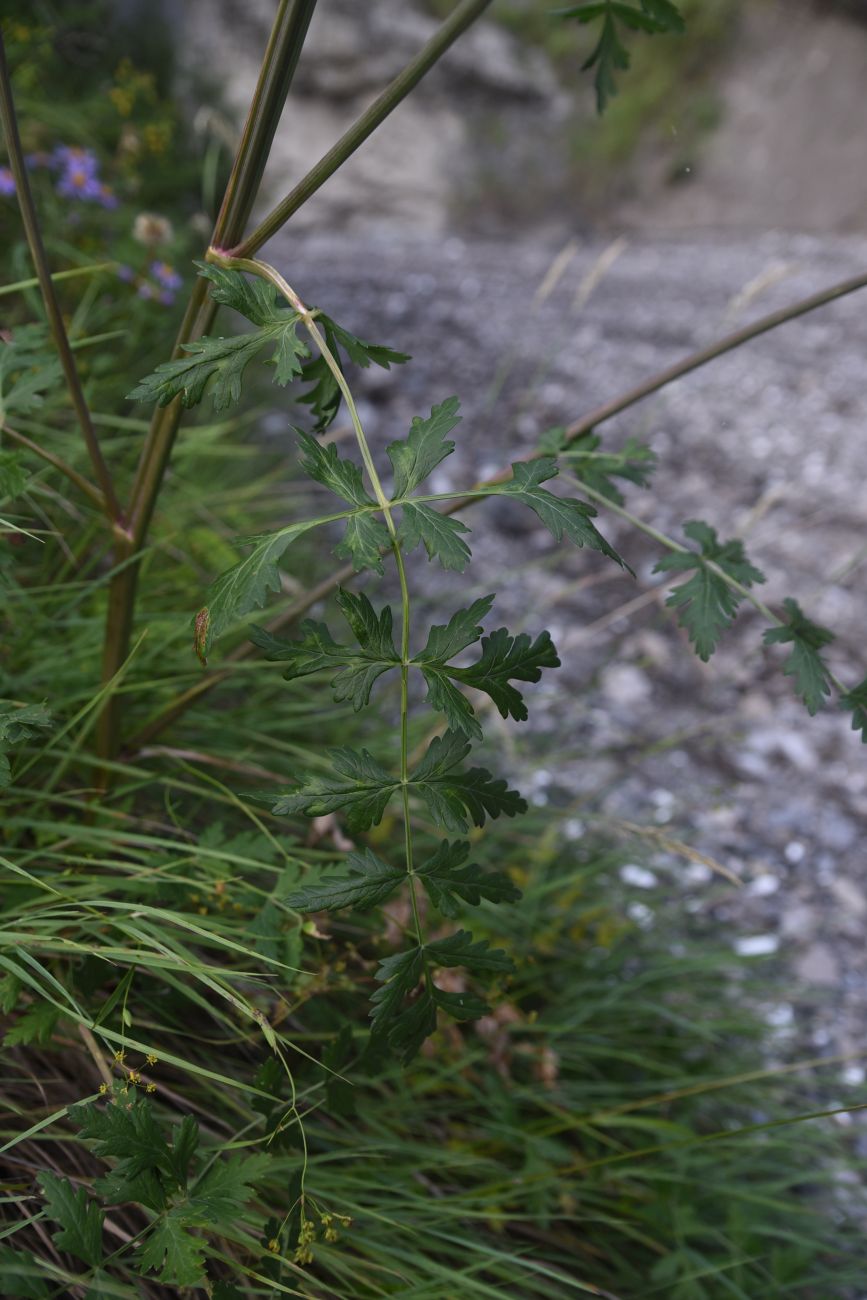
(7, 182)
(107, 197)
(72, 158)
(78, 183)
(166, 275)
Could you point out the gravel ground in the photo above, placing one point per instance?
(769, 443)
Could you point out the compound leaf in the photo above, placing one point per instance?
(448, 879)
(36, 1025)
(362, 789)
(560, 515)
(414, 457)
(440, 534)
(225, 359)
(804, 662)
(369, 882)
(503, 657)
(79, 1217)
(452, 795)
(707, 603)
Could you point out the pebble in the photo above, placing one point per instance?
(818, 965)
(756, 945)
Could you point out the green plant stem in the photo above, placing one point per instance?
(84, 485)
(463, 16)
(72, 274)
(30, 221)
(281, 57)
(269, 273)
(717, 349)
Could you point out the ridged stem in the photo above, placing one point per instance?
(33, 232)
(463, 17)
(275, 76)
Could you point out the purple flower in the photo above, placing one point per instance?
(7, 181)
(167, 298)
(34, 160)
(78, 183)
(166, 275)
(107, 197)
(71, 158)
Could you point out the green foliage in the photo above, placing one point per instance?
(562, 516)
(324, 397)
(804, 662)
(856, 700)
(18, 722)
(455, 797)
(610, 55)
(450, 880)
(161, 919)
(405, 1027)
(707, 603)
(13, 475)
(28, 370)
(225, 360)
(246, 585)
(416, 456)
(635, 463)
(157, 1170)
(78, 1217)
(441, 536)
(318, 650)
(370, 881)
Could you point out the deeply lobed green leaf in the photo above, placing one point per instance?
(316, 649)
(562, 516)
(804, 662)
(414, 457)
(707, 603)
(79, 1218)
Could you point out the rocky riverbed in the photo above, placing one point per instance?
(767, 443)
